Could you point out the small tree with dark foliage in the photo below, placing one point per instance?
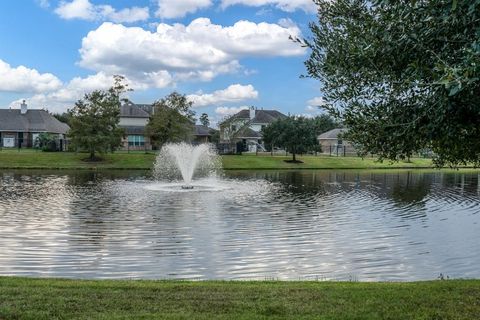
(295, 134)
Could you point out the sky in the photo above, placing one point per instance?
(224, 55)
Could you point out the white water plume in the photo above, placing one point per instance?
(185, 161)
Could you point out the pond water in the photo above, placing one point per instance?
(307, 225)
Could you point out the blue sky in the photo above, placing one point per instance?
(224, 54)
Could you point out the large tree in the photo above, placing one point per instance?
(172, 120)
(94, 120)
(402, 76)
(295, 134)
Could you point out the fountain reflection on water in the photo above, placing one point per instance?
(179, 163)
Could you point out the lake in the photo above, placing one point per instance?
(292, 225)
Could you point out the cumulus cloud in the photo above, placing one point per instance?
(228, 111)
(316, 102)
(313, 107)
(178, 9)
(84, 9)
(23, 79)
(201, 50)
(284, 5)
(66, 96)
(233, 94)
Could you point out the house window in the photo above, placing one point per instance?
(340, 142)
(136, 141)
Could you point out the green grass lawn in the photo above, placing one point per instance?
(32, 159)
(24, 298)
(317, 162)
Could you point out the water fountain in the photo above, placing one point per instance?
(182, 162)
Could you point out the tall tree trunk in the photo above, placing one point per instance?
(293, 154)
(92, 154)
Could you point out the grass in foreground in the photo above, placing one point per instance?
(25, 298)
(31, 159)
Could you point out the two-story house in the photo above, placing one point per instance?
(243, 130)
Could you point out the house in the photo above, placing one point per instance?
(242, 131)
(21, 128)
(134, 119)
(203, 134)
(332, 142)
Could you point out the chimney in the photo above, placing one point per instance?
(23, 107)
(252, 112)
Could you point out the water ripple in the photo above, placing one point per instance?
(250, 225)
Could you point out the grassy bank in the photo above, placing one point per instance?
(316, 162)
(31, 159)
(23, 298)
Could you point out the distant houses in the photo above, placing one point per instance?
(21, 128)
(242, 131)
(332, 142)
(134, 119)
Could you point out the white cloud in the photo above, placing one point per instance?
(179, 8)
(84, 9)
(227, 111)
(284, 5)
(66, 96)
(23, 79)
(233, 94)
(43, 3)
(316, 102)
(201, 50)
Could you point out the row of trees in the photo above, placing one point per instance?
(297, 134)
(94, 120)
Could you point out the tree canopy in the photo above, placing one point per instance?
(295, 134)
(172, 120)
(94, 120)
(204, 120)
(402, 76)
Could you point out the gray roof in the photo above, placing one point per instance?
(246, 132)
(201, 130)
(32, 121)
(261, 116)
(332, 134)
(132, 110)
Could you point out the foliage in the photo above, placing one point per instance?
(94, 120)
(62, 117)
(215, 138)
(46, 141)
(172, 120)
(295, 134)
(204, 120)
(323, 123)
(401, 76)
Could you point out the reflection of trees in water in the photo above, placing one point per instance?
(410, 189)
(406, 190)
(97, 209)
